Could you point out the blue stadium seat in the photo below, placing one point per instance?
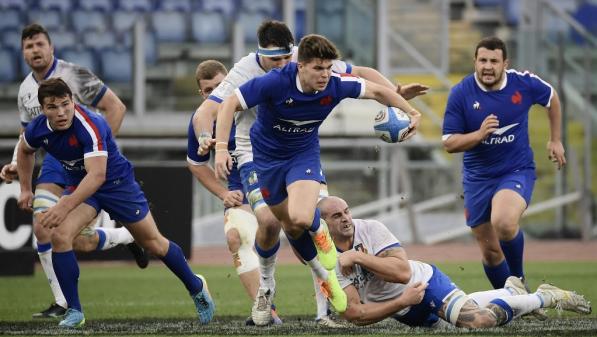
(81, 56)
(8, 65)
(117, 65)
(208, 27)
(151, 50)
(98, 40)
(51, 19)
(331, 26)
(250, 21)
(175, 5)
(10, 18)
(11, 38)
(60, 5)
(135, 5)
(102, 5)
(123, 21)
(169, 26)
(88, 20)
(63, 39)
(227, 7)
(14, 4)
(300, 24)
(269, 7)
(330, 6)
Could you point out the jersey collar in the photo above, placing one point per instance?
(299, 87)
(50, 71)
(482, 87)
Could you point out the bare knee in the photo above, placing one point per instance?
(233, 240)
(42, 234)
(505, 227)
(300, 221)
(155, 245)
(85, 243)
(61, 241)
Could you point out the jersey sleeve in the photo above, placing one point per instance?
(235, 78)
(258, 90)
(381, 237)
(341, 67)
(23, 116)
(92, 135)
(344, 281)
(86, 86)
(350, 86)
(542, 91)
(454, 115)
(193, 146)
(31, 141)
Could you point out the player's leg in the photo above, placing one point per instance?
(65, 262)
(512, 198)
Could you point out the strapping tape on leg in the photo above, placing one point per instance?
(43, 200)
(246, 225)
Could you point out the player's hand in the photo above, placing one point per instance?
(414, 294)
(223, 164)
(555, 152)
(412, 90)
(25, 201)
(206, 142)
(9, 173)
(489, 125)
(233, 199)
(54, 216)
(346, 261)
(415, 120)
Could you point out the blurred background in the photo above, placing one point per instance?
(147, 50)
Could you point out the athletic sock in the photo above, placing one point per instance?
(521, 304)
(497, 275)
(317, 269)
(67, 272)
(267, 265)
(316, 224)
(304, 246)
(112, 237)
(483, 298)
(513, 251)
(44, 250)
(320, 300)
(176, 262)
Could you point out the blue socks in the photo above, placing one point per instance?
(176, 262)
(513, 251)
(304, 246)
(497, 275)
(507, 309)
(67, 273)
(43, 247)
(316, 221)
(267, 253)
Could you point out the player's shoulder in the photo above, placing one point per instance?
(27, 85)
(88, 117)
(247, 64)
(40, 121)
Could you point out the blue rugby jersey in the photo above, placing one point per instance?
(88, 136)
(288, 120)
(193, 144)
(508, 148)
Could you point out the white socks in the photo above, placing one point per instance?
(114, 237)
(484, 297)
(46, 263)
(267, 267)
(318, 269)
(320, 300)
(523, 304)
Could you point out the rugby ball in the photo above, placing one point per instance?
(391, 124)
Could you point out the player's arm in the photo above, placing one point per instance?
(113, 110)
(555, 149)
(95, 166)
(9, 171)
(369, 313)
(207, 177)
(223, 161)
(26, 161)
(203, 120)
(391, 265)
(388, 97)
(407, 91)
(458, 142)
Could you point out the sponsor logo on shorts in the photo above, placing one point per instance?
(253, 178)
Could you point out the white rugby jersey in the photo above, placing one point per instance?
(244, 70)
(372, 237)
(87, 88)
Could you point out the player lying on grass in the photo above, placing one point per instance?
(380, 281)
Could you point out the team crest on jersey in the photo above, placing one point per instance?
(517, 97)
(361, 248)
(72, 141)
(289, 102)
(477, 105)
(327, 100)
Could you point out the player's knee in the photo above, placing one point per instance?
(42, 234)
(156, 246)
(60, 239)
(233, 240)
(83, 243)
(300, 220)
(506, 229)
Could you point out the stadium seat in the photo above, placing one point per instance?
(250, 21)
(331, 26)
(60, 5)
(11, 38)
(98, 40)
(208, 27)
(8, 65)
(102, 5)
(84, 57)
(10, 18)
(135, 5)
(270, 7)
(14, 4)
(88, 20)
(51, 19)
(169, 26)
(227, 7)
(330, 6)
(175, 5)
(300, 23)
(151, 51)
(117, 65)
(63, 39)
(123, 21)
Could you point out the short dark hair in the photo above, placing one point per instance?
(316, 46)
(53, 87)
(33, 29)
(272, 32)
(492, 43)
(209, 69)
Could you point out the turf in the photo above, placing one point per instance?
(122, 300)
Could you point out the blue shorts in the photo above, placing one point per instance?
(276, 175)
(235, 182)
(51, 172)
(478, 195)
(251, 186)
(122, 199)
(425, 313)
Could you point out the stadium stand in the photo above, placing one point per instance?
(169, 26)
(208, 27)
(83, 20)
(8, 66)
(52, 19)
(116, 65)
(82, 56)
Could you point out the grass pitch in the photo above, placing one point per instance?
(123, 300)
